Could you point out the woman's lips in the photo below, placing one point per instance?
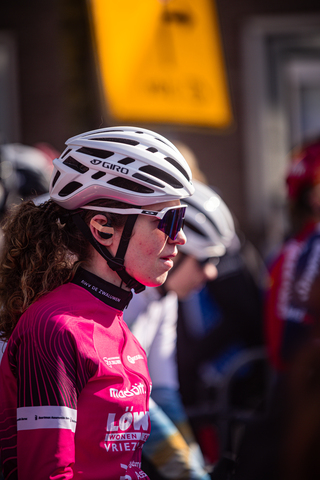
(168, 260)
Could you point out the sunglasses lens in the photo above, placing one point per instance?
(172, 222)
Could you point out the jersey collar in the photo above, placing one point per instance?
(108, 293)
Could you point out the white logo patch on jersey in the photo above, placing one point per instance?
(135, 358)
(112, 361)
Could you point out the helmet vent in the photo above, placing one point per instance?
(54, 181)
(115, 130)
(152, 149)
(160, 140)
(66, 153)
(126, 160)
(77, 166)
(178, 166)
(127, 141)
(146, 179)
(129, 185)
(98, 175)
(70, 188)
(160, 175)
(95, 152)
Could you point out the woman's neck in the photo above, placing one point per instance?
(98, 266)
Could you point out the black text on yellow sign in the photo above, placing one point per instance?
(161, 61)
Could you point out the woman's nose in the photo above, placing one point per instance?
(180, 238)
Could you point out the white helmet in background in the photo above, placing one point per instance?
(25, 172)
(209, 225)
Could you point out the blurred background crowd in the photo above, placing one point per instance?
(232, 337)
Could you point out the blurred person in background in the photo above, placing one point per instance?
(220, 326)
(218, 321)
(292, 299)
(292, 308)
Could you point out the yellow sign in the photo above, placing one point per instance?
(161, 61)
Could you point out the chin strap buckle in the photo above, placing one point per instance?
(137, 287)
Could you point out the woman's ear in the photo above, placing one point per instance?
(102, 230)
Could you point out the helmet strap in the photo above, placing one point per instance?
(115, 263)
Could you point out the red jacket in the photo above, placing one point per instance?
(287, 314)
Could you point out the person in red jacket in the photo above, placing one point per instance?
(277, 445)
(74, 381)
(292, 304)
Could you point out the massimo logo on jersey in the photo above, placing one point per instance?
(136, 389)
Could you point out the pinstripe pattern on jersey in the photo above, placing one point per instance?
(52, 370)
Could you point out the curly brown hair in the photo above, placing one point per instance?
(40, 252)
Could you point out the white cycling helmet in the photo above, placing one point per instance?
(127, 164)
(209, 226)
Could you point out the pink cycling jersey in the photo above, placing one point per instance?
(74, 388)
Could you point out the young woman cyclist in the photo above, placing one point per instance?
(74, 381)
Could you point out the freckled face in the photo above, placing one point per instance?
(150, 252)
